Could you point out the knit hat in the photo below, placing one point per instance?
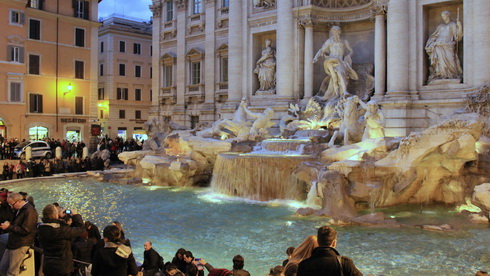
(219, 272)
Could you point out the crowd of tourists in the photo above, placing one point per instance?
(71, 148)
(69, 246)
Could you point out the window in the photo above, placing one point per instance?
(101, 69)
(38, 133)
(151, 72)
(79, 105)
(79, 70)
(102, 46)
(170, 11)
(79, 37)
(15, 93)
(101, 116)
(194, 121)
(16, 17)
(122, 46)
(15, 53)
(36, 103)
(151, 95)
(122, 114)
(35, 4)
(195, 72)
(34, 29)
(33, 64)
(137, 94)
(197, 7)
(80, 9)
(168, 75)
(225, 3)
(151, 50)
(122, 94)
(101, 93)
(137, 114)
(137, 71)
(137, 49)
(122, 69)
(224, 69)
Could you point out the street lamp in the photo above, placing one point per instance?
(69, 89)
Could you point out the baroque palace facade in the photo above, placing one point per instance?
(48, 69)
(419, 59)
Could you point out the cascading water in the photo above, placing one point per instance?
(258, 176)
(284, 145)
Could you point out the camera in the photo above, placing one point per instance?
(68, 211)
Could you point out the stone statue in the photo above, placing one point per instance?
(262, 122)
(350, 127)
(338, 64)
(238, 127)
(442, 49)
(266, 68)
(374, 120)
(264, 3)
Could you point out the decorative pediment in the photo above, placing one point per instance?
(168, 55)
(223, 48)
(16, 39)
(195, 52)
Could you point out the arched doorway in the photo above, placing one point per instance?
(38, 133)
(3, 129)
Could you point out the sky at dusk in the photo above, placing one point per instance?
(130, 8)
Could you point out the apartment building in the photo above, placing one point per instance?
(48, 69)
(125, 73)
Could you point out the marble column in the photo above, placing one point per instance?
(380, 54)
(210, 49)
(156, 8)
(398, 48)
(481, 14)
(284, 49)
(181, 58)
(235, 52)
(308, 62)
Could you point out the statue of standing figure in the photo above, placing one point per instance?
(374, 120)
(442, 49)
(266, 68)
(338, 64)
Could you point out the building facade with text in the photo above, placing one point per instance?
(48, 72)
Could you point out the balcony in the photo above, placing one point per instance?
(168, 95)
(194, 93)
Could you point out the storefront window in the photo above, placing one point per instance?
(73, 135)
(121, 132)
(38, 133)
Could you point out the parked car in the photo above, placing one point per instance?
(39, 149)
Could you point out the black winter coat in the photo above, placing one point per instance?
(151, 259)
(324, 261)
(107, 263)
(56, 239)
(22, 231)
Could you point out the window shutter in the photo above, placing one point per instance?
(41, 4)
(126, 94)
(119, 93)
(22, 18)
(85, 9)
(21, 54)
(75, 7)
(28, 3)
(32, 101)
(40, 99)
(9, 53)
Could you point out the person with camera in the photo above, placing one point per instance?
(22, 233)
(55, 237)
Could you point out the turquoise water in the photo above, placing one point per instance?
(217, 228)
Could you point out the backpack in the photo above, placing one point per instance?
(161, 264)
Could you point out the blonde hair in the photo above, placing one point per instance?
(303, 251)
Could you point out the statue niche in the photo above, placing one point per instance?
(266, 69)
(442, 49)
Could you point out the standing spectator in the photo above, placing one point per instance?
(238, 263)
(178, 259)
(5, 171)
(93, 231)
(302, 252)
(22, 232)
(115, 259)
(11, 171)
(56, 240)
(19, 169)
(151, 260)
(325, 259)
(29, 169)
